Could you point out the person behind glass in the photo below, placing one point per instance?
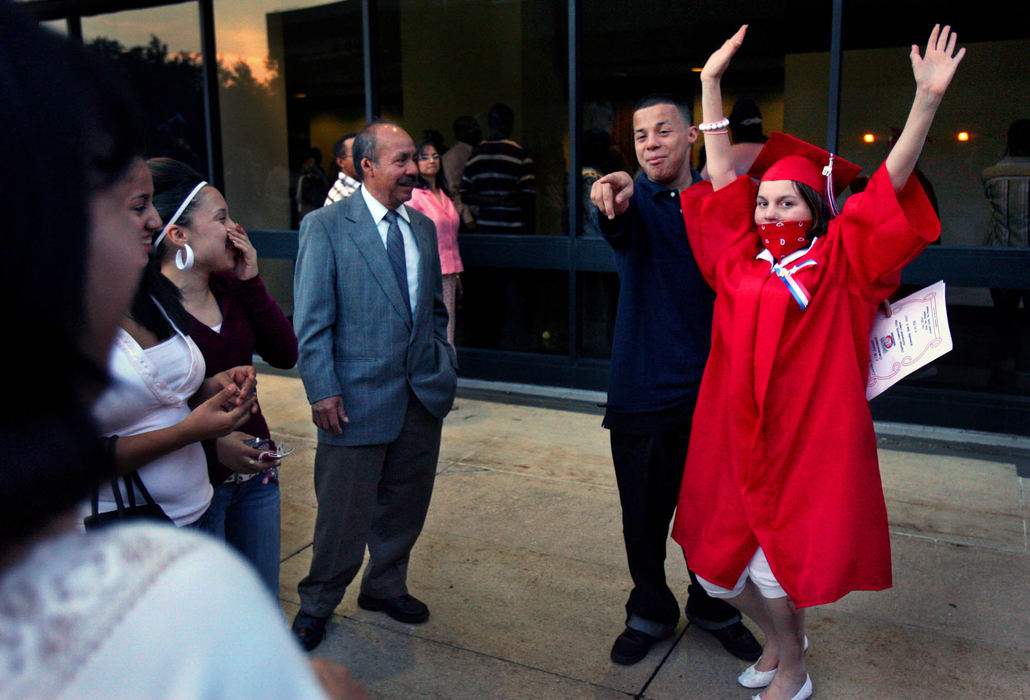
(312, 185)
(347, 179)
(467, 135)
(1007, 187)
(232, 316)
(662, 330)
(499, 179)
(136, 610)
(782, 506)
(432, 197)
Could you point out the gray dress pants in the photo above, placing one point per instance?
(374, 495)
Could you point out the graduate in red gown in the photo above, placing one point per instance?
(785, 507)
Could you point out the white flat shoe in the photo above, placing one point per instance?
(803, 694)
(753, 678)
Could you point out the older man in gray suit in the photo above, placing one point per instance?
(380, 377)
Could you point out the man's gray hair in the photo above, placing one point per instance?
(366, 145)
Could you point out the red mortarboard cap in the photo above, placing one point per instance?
(786, 158)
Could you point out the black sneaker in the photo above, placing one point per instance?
(631, 646)
(738, 640)
(309, 630)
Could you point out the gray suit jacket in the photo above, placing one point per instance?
(355, 338)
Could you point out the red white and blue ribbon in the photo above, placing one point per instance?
(797, 290)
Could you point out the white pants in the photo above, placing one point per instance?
(759, 572)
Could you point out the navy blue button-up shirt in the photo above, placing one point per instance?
(663, 324)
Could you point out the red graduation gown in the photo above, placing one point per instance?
(782, 450)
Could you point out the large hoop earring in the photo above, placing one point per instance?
(180, 262)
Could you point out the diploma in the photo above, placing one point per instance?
(915, 335)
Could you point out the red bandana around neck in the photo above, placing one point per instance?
(784, 237)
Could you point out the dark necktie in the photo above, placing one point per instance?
(395, 251)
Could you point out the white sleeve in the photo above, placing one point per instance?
(204, 627)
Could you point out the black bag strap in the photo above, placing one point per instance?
(138, 482)
(129, 491)
(108, 449)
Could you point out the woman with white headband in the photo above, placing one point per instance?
(209, 257)
(158, 374)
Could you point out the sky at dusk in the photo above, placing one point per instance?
(239, 28)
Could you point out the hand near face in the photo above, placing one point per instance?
(246, 255)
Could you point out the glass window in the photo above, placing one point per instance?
(291, 81)
(598, 298)
(59, 26)
(443, 60)
(291, 84)
(516, 310)
(991, 89)
(159, 50)
(632, 48)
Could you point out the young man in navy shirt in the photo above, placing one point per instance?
(662, 336)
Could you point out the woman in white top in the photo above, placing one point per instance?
(130, 611)
(156, 371)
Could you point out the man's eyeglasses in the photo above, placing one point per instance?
(429, 156)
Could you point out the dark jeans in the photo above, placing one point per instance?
(649, 469)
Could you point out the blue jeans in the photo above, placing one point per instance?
(246, 515)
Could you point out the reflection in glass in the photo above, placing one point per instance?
(443, 60)
(159, 50)
(292, 81)
(58, 26)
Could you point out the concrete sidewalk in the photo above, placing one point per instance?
(522, 566)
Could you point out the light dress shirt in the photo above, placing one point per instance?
(411, 255)
(344, 187)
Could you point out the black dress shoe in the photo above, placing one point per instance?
(309, 630)
(403, 608)
(631, 646)
(738, 640)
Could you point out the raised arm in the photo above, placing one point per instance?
(933, 73)
(717, 143)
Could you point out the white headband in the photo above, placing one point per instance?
(178, 213)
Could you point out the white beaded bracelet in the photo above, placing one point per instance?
(714, 126)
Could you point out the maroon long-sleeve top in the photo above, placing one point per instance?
(251, 322)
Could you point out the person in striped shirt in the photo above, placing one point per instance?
(499, 179)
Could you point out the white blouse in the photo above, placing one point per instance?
(143, 611)
(149, 391)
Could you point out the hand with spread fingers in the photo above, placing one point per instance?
(934, 70)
